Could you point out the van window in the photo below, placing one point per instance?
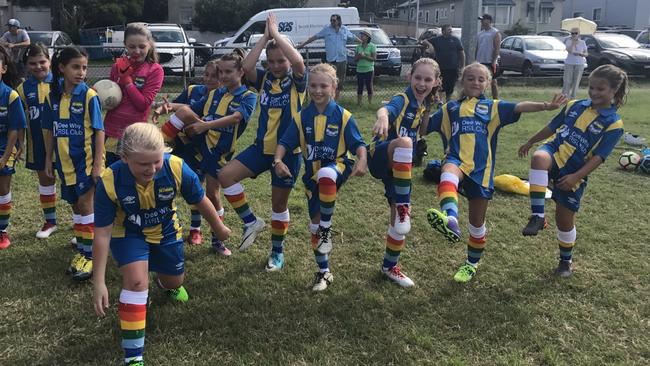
(255, 28)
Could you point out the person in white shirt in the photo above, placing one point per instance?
(574, 64)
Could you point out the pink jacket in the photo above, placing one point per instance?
(137, 98)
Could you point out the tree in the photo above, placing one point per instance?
(73, 15)
(154, 11)
(226, 15)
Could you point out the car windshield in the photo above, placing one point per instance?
(40, 37)
(378, 37)
(168, 36)
(544, 44)
(617, 41)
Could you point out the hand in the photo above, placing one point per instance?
(558, 100)
(3, 162)
(97, 172)
(164, 108)
(19, 153)
(360, 168)
(196, 128)
(282, 170)
(567, 182)
(381, 127)
(272, 26)
(124, 70)
(100, 298)
(494, 68)
(224, 233)
(523, 149)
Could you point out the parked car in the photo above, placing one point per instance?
(406, 45)
(532, 55)
(50, 39)
(644, 39)
(632, 33)
(619, 50)
(560, 34)
(434, 32)
(173, 47)
(202, 53)
(254, 39)
(389, 60)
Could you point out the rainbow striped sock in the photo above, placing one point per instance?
(279, 228)
(235, 195)
(86, 229)
(567, 240)
(171, 129)
(448, 194)
(538, 180)
(394, 247)
(5, 211)
(402, 165)
(47, 196)
(476, 244)
(132, 311)
(77, 234)
(327, 195)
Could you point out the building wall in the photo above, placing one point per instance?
(180, 11)
(34, 18)
(631, 13)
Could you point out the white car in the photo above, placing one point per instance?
(173, 47)
(252, 41)
(50, 39)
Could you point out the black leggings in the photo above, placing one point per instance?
(364, 78)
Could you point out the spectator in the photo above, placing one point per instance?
(16, 40)
(450, 55)
(365, 54)
(487, 49)
(574, 64)
(335, 36)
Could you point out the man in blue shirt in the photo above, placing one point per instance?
(335, 36)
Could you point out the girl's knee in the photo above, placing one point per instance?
(327, 172)
(403, 142)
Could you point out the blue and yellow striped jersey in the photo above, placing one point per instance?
(582, 132)
(73, 119)
(33, 94)
(219, 103)
(146, 212)
(404, 117)
(191, 94)
(325, 138)
(469, 128)
(280, 100)
(12, 117)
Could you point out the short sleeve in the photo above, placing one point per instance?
(373, 48)
(25, 36)
(17, 113)
(291, 137)
(394, 107)
(322, 33)
(247, 105)
(507, 114)
(609, 140)
(197, 107)
(191, 188)
(260, 77)
(350, 34)
(5, 36)
(105, 209)
(95, 113)
(352, 136)
(558, 120)
(183, 97)
(459, 44)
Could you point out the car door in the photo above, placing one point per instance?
(593, 52)
(518, 57)
(505, 54)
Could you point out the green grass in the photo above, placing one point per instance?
(513, 312)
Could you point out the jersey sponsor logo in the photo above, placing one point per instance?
(455, 126)
(166, 194)
(68, 128)
(139, 82)
(77, 108)
(332, 130)
(34, 112)
(320, 152)
(273, 101)
(135, 219)
(471, 125)
(481, 109)
(155, 216)
(596, 128)
(580, 142)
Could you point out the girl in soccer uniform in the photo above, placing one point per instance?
(281, 93)
(215, 123)
(137, 218)
(326, 133)
(74, 131)
(582, 136)
(33, 92)
(12, 125)
(391, 156)
(183, 146)
(140, 77)
(470, 126)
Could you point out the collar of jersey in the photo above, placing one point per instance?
(605, 112)
(32, 80)
(409, 93)
(77, 89)
(238, 91)
(329, 110)
(480, 97)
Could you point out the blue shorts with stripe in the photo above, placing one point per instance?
(568, 199)
(311, 187)
(167, 259)
(35, 159)
(254, 159)
(379, 168)
(188, 152)
(72, 192)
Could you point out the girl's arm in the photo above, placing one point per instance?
(381, 125)
(142, 100)
(48, 141)
(101, 243)
(542, 134)
(198, 126)
(289, 141)
(555, 103)
(98, 158)
(567, 182)
(250, 70)
(280, 167)
(292, 54)
(209, 213)
(361, 166)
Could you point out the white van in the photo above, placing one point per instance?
(297, 23)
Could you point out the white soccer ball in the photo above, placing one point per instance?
(629, 160)
(109, 94)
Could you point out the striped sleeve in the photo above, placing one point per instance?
(105, 207)
(609, 140)
(17, 112)
(191, 188)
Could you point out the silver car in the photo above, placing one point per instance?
(532, 55)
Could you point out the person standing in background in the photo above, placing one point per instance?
(16, 40)
(574, 64)
(487, 49)
(450, 56)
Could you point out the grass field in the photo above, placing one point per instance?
(514, 312)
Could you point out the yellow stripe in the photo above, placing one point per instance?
(495, 121)
(110, 144)
(585, 119)
(567, 245)
(467, 143)
(400, 117)
(238, 204)
(153, 234)
(64, 107)
(43, 91)
(146, 195)
(444, 195)
(63, 146)
(400, 174)
(537, 189)
(176, 165)
(208, 102)
(88, 133)
(445, 126)
(467, 107)
(177, 225)
(563, 154)
(13, 95)
(126, 325)
(394, 247)
(344, 123)
(615, 125)
(272, 125)
(327, 197)
(320, 121)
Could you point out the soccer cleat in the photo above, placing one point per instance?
(194, 237)
(84, 271)
(563, 269)
(465, 273)
(535, 224)
(446, 225)
(220, 248)
(322, 280)
(75, 263)
(46, 231)
(275, 262)
(324, 240)
(178, 294)
(135, 363)
(402, 222)
(396, 275)
(250, 233)
(4, 240)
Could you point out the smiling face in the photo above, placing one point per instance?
(39, 66)
(601, 92)
(278, 63)
(423, 79)
(74, 72)
(321, 88)
(137, 47)
(475, 80)
(144, 165)
(211, 76)
(229, 75)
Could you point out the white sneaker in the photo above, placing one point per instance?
(324, 240)
(322, 280)
(46, 231)
(402, 222)
(395, 274)
(250, 233)
(634, 140)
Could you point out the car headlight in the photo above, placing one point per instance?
(394, 54)
(542, 61)
(350, 53)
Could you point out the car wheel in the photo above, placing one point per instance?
(527, 69)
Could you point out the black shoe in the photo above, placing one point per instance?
(420, 152)
(563, 269)
(535, 224)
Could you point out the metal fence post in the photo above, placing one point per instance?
(184, 72)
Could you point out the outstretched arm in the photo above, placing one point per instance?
(555, 103)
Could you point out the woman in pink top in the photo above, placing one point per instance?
(140, 77)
